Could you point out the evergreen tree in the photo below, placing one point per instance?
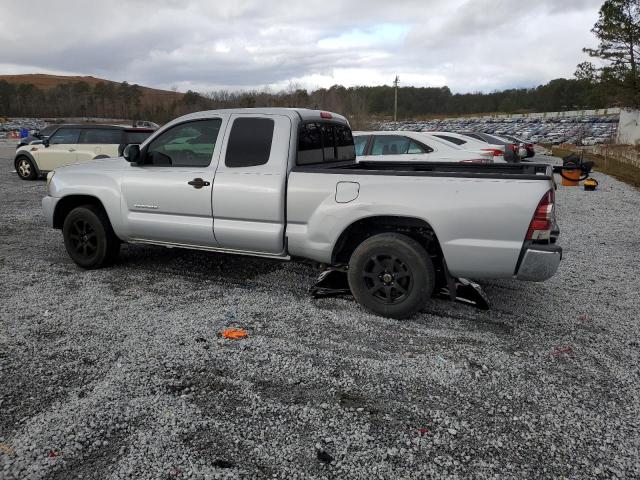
(618, 30)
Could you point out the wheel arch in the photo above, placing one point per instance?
(24, 153)
(358, 231)
(68, 203)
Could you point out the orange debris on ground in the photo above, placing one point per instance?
(234, 333)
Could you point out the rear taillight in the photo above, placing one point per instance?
(542, 222)
(496, 152)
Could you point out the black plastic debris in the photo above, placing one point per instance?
(324, 457)
(466, 292)
(333, 282)
(220, 463)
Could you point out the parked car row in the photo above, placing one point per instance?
(60, 145)
(461, 147)
(68, 144)
(586, 130)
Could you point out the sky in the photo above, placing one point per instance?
(200, 45)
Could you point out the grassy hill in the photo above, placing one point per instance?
(45, 82)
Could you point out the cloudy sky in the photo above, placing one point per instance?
(203, 45)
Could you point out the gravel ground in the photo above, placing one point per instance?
(120, 373)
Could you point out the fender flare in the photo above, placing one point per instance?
(24, 153)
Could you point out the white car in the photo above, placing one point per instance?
(385, 146)
(470, 144)
(75, 143)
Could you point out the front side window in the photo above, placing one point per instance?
(249, 142)
(361, 144)
(188, 144)
(65, 136)
(101, 136)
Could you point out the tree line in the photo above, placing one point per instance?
(358, 103)
(616, 82)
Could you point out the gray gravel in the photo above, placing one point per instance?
(120, 373)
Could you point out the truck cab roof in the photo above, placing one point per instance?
(304, 114)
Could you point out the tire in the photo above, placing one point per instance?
(391, 275)
(89, 238)
(25, 168)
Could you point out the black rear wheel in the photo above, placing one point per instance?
(25, 168)
(89, 238)
(391, 275)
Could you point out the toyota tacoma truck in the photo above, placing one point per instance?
(284, 184)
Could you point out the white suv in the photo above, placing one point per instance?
(75, 143)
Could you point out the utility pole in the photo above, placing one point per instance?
(395, 101)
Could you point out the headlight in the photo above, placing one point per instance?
(49, 177)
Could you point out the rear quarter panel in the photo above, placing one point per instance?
(480, 223)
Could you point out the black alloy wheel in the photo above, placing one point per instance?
(391, 275)
(387, 278)
(83, 238)
(89, 238)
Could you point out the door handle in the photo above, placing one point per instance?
(198, 183)
(72, 149)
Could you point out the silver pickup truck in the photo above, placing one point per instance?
(284, 183)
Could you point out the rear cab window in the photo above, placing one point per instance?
(325, 142)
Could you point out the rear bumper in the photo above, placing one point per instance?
(48, 207)
(539, 263)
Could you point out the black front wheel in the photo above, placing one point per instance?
(391, 275)
(89, 238)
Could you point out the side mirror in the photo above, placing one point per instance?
(45, 141)
(132, 153)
